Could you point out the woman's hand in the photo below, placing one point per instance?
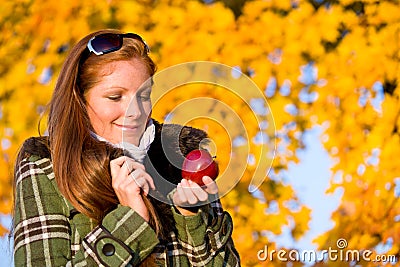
(189, 194)
(130, 181)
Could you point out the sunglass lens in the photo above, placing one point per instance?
(106, 42)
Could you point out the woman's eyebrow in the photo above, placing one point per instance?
(113, 88)
(146, 86)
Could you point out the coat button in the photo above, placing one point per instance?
(108, 249)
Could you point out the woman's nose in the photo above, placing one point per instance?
(133, 109)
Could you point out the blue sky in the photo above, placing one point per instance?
(310, 179)
(5, 249)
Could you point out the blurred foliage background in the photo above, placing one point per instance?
(318, 62)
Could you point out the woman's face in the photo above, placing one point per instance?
(119, 106)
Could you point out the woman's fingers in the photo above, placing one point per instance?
(120, 168)
(143, 180)
(115, 166)
(199, 192)
(187, 191)
(129, 175)
(179, 196)
(124, 165)
(130, 165)
(118, 161)
(183, 196)
(130, 181)
(190, 193)
(209, 185)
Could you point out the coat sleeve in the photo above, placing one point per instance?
(205, 238)
(42, 232)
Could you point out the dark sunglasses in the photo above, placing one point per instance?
(110, 42)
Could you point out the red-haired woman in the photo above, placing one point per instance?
(89, 193)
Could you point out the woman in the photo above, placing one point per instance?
(85, 197)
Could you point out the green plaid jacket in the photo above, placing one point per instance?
(47, 231)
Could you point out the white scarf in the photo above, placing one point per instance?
(138, 153)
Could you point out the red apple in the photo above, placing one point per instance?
(199, 163)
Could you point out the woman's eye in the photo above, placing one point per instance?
(114, 97)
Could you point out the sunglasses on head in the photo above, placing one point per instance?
(110, 42)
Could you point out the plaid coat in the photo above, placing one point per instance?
(49, 232)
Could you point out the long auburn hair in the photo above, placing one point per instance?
(80, 162)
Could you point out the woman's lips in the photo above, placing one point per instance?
(127, 127)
